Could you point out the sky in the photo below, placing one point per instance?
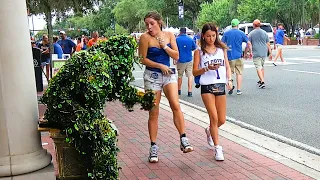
(38, 22)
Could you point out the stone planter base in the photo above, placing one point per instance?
(71, 164)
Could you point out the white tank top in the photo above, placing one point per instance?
(213, 76)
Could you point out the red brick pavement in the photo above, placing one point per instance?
(134, 143)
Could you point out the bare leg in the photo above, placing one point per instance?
(48, 71)
(260, 75)
(281, 56)
(170, 90)
(190, 83)
(209, 102)
(179, 83)
(277, 55)
(153, 118)
(239, 81)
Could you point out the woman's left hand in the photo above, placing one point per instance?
(229, 84)
(161, 42)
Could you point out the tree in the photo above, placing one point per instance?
(288, 12)
(61, 7)
(217, 12)
(129, 13)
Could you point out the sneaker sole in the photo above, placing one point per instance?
(153, 160)
(187, 149)
(220, 159)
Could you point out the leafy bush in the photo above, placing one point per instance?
(76, 97)
(316, 36)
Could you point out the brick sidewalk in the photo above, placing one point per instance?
(134, 143)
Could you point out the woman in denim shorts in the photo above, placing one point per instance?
(155, 49)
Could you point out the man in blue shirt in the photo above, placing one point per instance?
(185, 45)
(67, 45)
(280, 36)
(234, 39)
(57, 48)
(196, 38)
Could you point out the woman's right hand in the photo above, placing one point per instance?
(213, 66)
(165, 69)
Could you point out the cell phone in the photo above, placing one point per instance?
(173, 70)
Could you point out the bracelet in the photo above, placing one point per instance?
(165, 47)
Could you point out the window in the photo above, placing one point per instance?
(242, 29)
(267, 28)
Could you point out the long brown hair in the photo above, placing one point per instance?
(156, 16)
(217, 42)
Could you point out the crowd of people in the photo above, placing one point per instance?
(62, 45)
(207, 58)
(212, 66)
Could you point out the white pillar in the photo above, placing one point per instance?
(20, 145)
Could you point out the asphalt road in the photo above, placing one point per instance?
(290, 103)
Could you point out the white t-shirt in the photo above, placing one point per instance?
(301, 33)
(213, 76)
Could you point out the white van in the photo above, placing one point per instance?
(248, 27)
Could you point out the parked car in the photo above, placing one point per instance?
(316, 28)
(248, 27)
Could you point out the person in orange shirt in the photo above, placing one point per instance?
(94, 40)
(82, 43)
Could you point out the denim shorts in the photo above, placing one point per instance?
(218, 89)
(156, 80)
(46, 62)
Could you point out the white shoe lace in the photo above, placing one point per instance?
(185, 142)
(154, 151)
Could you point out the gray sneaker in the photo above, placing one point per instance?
(185, 145)
(153, 155)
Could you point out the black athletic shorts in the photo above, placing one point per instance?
(218, 89)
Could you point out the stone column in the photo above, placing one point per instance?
(20, 145)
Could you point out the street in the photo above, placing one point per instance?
(289, 104)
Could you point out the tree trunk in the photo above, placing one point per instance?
(50, 35)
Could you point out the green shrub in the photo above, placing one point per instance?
(316, 36)
(76, 97)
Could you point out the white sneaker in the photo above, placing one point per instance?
(219, 153)
(153, 154)
(209, 138)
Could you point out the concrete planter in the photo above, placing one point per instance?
(71, 164)
(310, 42)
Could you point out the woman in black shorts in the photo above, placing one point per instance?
(212, 65)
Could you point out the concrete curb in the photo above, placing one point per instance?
(277, 137)
(269, 134)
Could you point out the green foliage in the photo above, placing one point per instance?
(316, 36)
(217, 12)
(265, 10)
(117, 31)
(76, 96)
(129, 12)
